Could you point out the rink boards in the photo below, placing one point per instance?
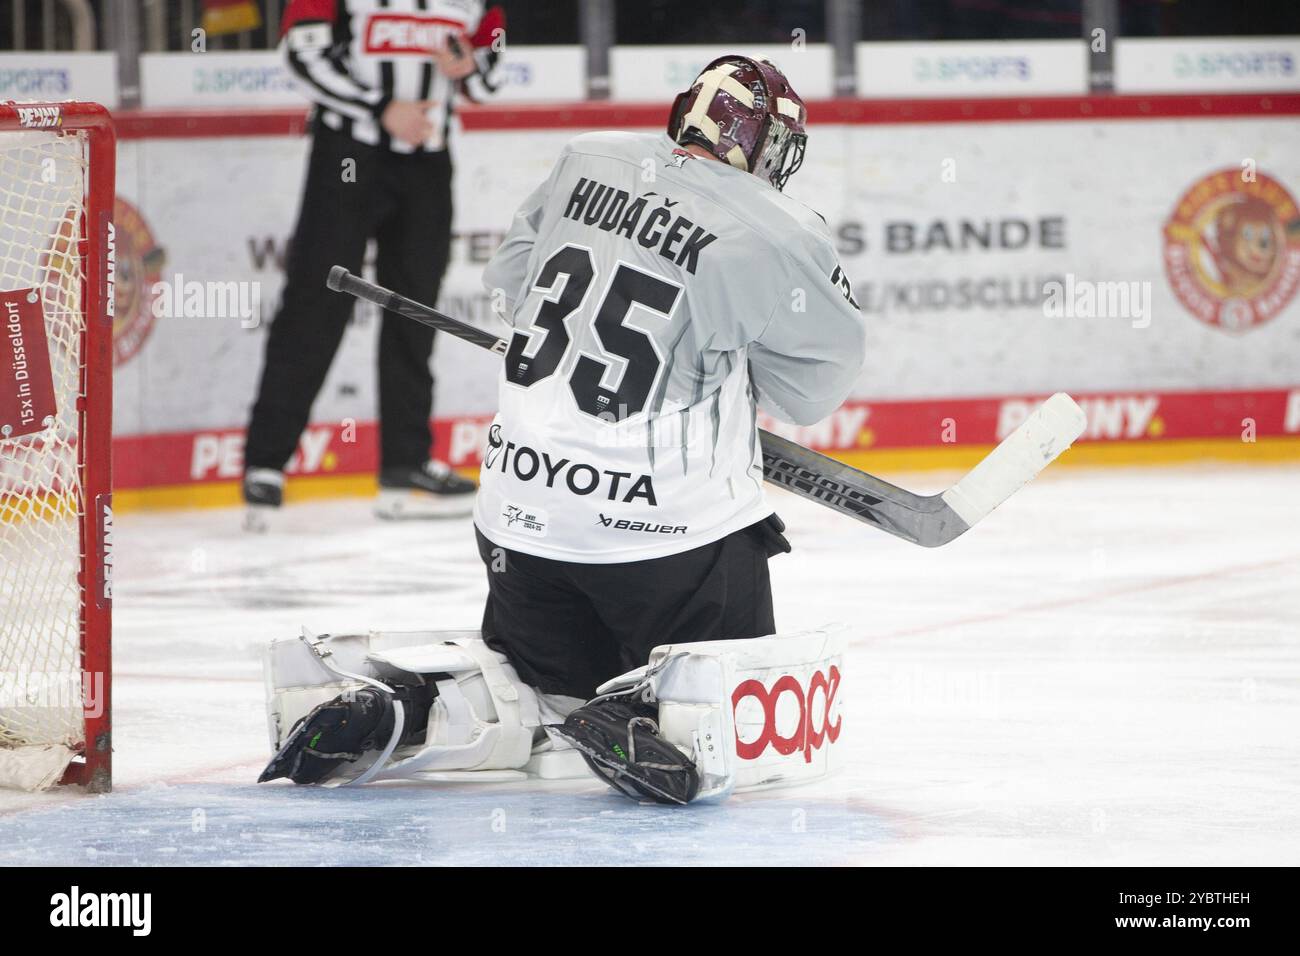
(1001, 249)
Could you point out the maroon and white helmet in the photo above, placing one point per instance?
(745, 112)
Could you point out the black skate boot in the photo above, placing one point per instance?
(433, 491)
(619, 738)
(263, 494)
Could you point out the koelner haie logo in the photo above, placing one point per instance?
(1232, 249)
(139, 267)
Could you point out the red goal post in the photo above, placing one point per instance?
(57, 164)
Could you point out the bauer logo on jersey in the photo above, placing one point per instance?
(394, 34)
(524, 520)
(643, 527)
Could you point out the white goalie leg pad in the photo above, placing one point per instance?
(754, 714)
(484, 718)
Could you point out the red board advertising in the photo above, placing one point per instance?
(27, 401)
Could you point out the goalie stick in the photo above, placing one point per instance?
(927, 520)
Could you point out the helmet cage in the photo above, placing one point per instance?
(777, 146)
(780, 153)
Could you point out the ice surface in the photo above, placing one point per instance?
(1105, 671)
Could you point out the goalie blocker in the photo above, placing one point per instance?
(696, 722)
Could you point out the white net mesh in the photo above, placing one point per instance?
(42, 198)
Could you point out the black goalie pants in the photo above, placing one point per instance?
(354, 193)
(569, 627)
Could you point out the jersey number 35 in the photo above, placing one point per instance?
(536, 352)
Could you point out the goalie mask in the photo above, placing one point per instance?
(744, 112)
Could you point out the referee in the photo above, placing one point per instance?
(382, 75)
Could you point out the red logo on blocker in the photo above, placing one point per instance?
(807, 736)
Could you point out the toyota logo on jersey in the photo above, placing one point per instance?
(813, 725)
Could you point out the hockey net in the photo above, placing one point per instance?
(56, 239)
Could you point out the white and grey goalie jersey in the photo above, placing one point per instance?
(657, 299)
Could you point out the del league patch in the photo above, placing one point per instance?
(530, 521)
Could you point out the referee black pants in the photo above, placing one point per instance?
(353, 193)
(568, 627)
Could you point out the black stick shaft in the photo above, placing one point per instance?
(341, 280)
(808, 474)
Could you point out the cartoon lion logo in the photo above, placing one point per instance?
(1232, 249)
(139, 266)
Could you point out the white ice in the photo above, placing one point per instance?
(1106, 671)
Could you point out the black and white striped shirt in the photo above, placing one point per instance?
(353, 57)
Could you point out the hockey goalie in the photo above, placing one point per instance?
(660, 288)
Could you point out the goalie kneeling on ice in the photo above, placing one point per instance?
(748, 714)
